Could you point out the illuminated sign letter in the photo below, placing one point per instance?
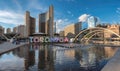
(36, 39)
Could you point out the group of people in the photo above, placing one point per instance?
(15, 41)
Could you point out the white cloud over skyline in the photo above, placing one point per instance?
(83, 17)
(8, 17)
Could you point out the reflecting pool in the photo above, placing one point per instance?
(56, 58)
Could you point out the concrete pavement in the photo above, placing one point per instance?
(7, 46)
(114, 63)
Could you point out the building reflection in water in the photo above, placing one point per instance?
(110, 51)
(46, 58)
(28, 53)
(94, 56)
(52, 58)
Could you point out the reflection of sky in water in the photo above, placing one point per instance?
(11, 62)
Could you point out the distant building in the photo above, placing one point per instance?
(21, 30)
(72, 30)
(115, 28)
(78, 27)
(15, 30)
(1, 30)
(61, 33)
(30, 24)
(46, 22)
(92, 22)
(8, 30)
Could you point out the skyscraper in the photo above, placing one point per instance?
(92, 22)
(30, 24)
(46, 22)
(51, 21)
(43, 23)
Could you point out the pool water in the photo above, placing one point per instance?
(56, 58)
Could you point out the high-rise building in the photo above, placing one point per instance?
(78, 27)
(30, 24)
(8, 30)
(43, 23)
(92, 22)
(21, 30)
(51, 21)
(46, 22)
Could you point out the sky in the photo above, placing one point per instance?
(12, 12)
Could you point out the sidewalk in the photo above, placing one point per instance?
(114, 63)
(7, 46)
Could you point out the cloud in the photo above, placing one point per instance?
(83, 18)
(118, 8)
(11, 17)
(69, 12)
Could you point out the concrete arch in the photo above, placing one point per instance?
(5, 37)
(98, 29)
(92, 36)
(91, 33)
(8, 38)
(14, 36)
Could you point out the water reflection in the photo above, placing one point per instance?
(54, 58)
(46, 58)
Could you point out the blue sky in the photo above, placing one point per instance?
(65, 11)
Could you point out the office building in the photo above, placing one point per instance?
(92, 22)
(30, 24)
(72, 30)
(46, 22)
(43, 23)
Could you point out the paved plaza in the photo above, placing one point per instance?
(114, 63)
(7, 46)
